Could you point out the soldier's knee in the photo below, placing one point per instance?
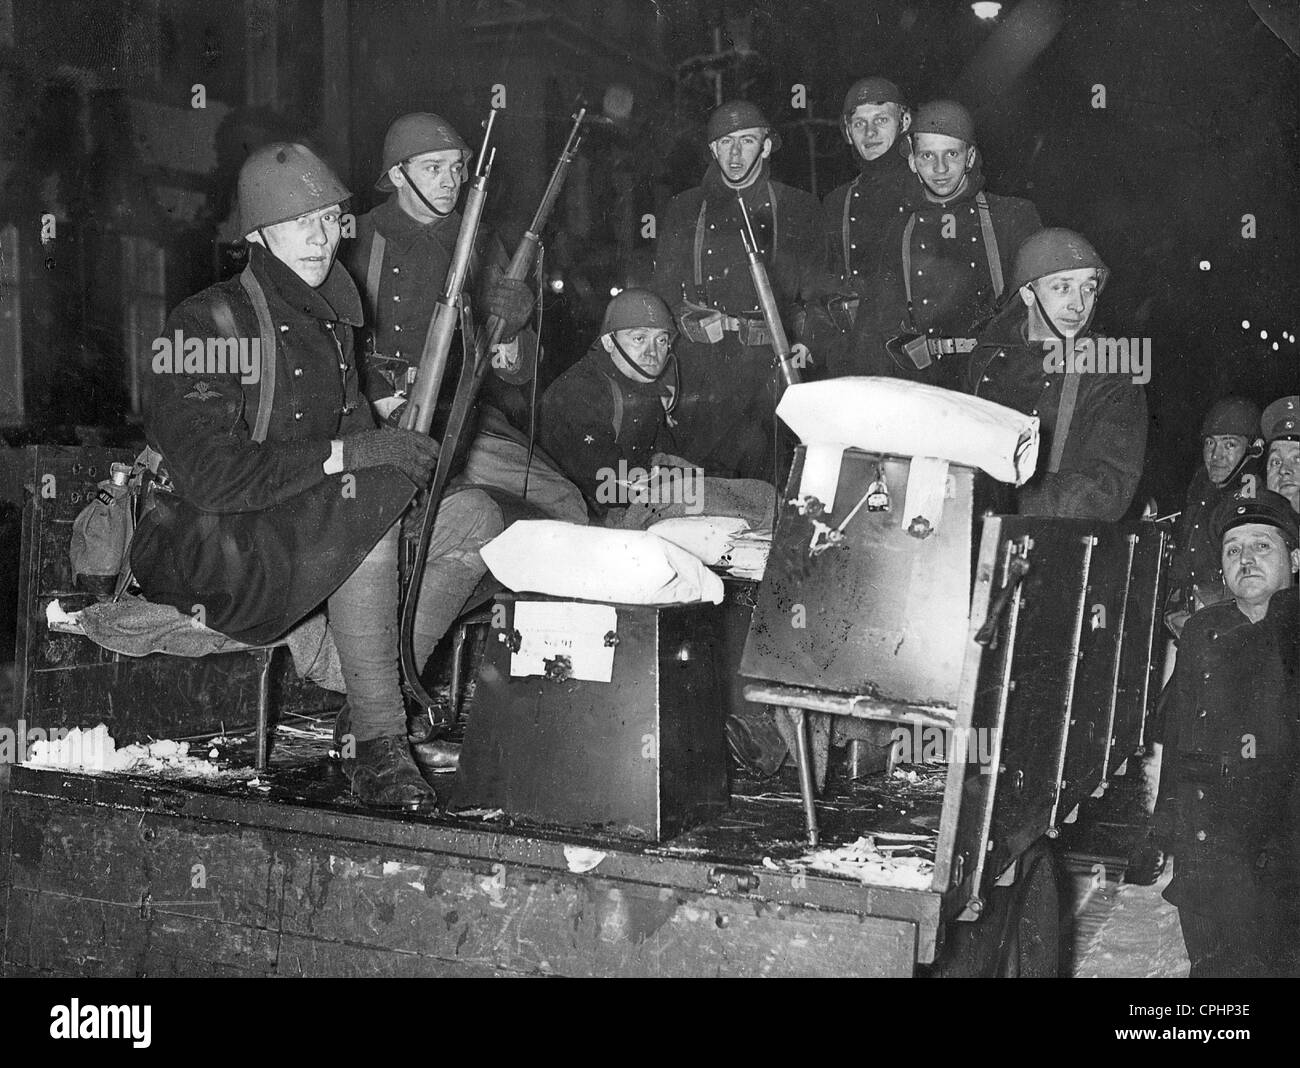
(472, 516)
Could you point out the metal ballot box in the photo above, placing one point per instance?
(867, 599)
(598, 716)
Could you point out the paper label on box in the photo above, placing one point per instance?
(550, 630)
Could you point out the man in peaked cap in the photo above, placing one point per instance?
(399, 260)
(944, 264)
(1229, 802)
(287, 496)
(1231, 467)
(1281, 427)
(859, 214)
(725, 416)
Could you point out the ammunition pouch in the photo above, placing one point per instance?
(708, 326)
(921, 349)
(752, 331)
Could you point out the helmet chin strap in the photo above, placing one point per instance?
(423, 199)
(745, 178)
(1042, 314)
(630, 365)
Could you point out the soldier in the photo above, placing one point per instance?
(1229, 801)
(1094, 424)
(725, 417)
(1231, 449)
(400, 259)
(601, 417)
(943, 265)
(860, 213)
(1281, 427)
(286, 495)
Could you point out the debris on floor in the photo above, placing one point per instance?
(96, 750)
(900, 860)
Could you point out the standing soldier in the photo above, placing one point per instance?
(943, 265)
(1229, 798)
(1230, 450)
(286, 495)
(1094, 424)
(1281, 427)
(725, 418)
(859, 214)
(400, 259)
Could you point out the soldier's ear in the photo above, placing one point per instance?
(970, 157)
(396, 176)
(767, 147)
(904, 121)
(607, 343)
(1295, 560)
(1027, 295)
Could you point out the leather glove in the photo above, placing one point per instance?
(1146, 863)
(413, 454)
(510, 300)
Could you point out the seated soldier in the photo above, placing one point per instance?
(1094, 417)
(600, 418)
(1281, 427)
(1229, 800)
(1230, 450)
(286, 495)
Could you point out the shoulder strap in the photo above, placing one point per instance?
(907, 260)
(616, 395)
(1064, 417)
(844, 225)
(990, 243)
(699, 247)
(374, 265)
(266, 396)
(771, 199)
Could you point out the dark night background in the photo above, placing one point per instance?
(97, 128)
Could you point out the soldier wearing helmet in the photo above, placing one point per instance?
(286, 494)
(601, 417)
(858, 214)
(1229, 797)
(1281, 427)
(1094, 425)
(399, 260)
(1231, 468)
(944, 263)
(725, 416)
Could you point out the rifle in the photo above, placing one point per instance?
(473, 370)
(423, 399)
(437, 343)
(766, 298)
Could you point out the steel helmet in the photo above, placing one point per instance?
(739, 115)
(637, 308)
(944, 117)
(283, 180)
(1052, 250)
(411, 135)
(1281, 420)
(1232, 415)
(871, 91)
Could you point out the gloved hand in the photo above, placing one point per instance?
(509, 299)
(413, 454)
(1146, 863)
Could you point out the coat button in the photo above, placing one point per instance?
(297, 372)
(398, 326)
(297, 415)
(397, 270)
(1034, 412)
(397, 298)
(1206, 675)
(1200, 794)
(284, 329)
(1200, 836)
(1200, 712)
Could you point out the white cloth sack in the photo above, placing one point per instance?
(902, 418)
(595, 564)
(705, 536)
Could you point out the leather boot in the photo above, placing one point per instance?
(384, 775)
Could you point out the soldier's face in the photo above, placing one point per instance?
(1067, 298)
(645, 346)
(437, 175)
(1222, 453)
(306, 244)
(1282, 470)
(738, 153)
(941, 162)
(875, 127)
(1256, 563)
